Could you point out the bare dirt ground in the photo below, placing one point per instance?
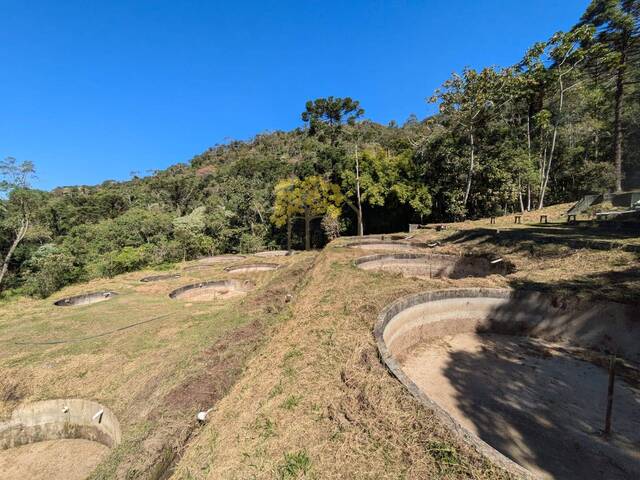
(52, 460)
(538, 406)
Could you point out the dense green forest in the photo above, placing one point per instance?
(561, 123)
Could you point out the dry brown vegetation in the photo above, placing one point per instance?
(316, 402)
(152, 360)
(292, 368)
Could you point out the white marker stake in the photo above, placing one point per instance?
(98, 415)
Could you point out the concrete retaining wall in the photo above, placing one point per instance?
(58, 419)
(85, 299)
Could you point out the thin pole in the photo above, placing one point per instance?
(360, 225)
(612, 376)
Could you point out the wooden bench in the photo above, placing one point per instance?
(492, 220)
(571, 218)
(518, 219)
(543, 217)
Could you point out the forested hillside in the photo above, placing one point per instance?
(561, 123)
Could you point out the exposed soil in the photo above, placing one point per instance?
(52, 460)
(534, 403)
(224, 361)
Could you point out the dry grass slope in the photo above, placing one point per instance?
(315, 402)
(155, 375)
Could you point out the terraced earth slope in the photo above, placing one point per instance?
(291, 371)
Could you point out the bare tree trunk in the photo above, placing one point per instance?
(520, 195)
(359, 212)
(22, 231)
(307, 229)
(470, 174)
(617, 122)
(553, 145)
(529, 157)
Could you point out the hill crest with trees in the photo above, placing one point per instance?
(561, 123)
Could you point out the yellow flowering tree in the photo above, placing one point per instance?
(308, 199)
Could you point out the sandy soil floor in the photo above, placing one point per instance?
(421, 270)
(210, 294)
(531, 402)
(385, 247)
(52, 460)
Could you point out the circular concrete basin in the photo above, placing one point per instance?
(435, 265)
(252, 267)
(275, 253)
(85, 299)
(212, 290)
(56, 439)
(387, 245)
(522, 377)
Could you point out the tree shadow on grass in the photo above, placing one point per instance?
(569, 235)
(615, 286)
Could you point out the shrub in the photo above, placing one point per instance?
(49, 269)
(127, 259)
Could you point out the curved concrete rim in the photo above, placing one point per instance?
(606, 327)
(85, 299)
(158, 278)
(243, 286)
(393, 365)
(389, 243)
(64, 418)
(275, 253)
(252, 267)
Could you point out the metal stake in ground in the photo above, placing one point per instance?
(612, 376)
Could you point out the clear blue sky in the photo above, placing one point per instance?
(93, 90)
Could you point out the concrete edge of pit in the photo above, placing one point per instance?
(65, 418)
(251, 266)
(241, 285)
(84, 298)
(394, 367)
